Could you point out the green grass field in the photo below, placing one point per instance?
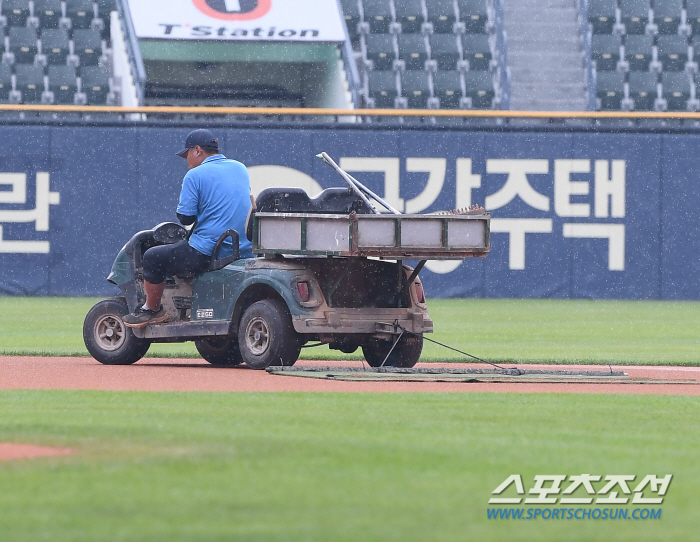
(502, 330)
(297, 466)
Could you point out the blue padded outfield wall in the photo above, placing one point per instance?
(575, 215)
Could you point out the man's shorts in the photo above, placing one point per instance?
(170, 260)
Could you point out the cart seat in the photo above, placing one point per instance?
(296, 200)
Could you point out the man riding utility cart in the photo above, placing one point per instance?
(329, 270)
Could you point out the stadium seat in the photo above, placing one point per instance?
(635, 15)
(474, 15)
(643, 90)
(105, 7)
(87, 44)
(5, 82)
(378, 15)
(80, 12)
(382, 88)
(610, 89)
(605, 51)
(676, 90)
(30, 82)
(63, 84)
(638, 51)
(412, 51)
(601, 15)
(441, 14)
(447, 86)
(351, 12)
(692, 9)
(49, 12)
(446, 50)
(672, 52)
(410, 14)
(54, 45)
(415, 87)
(667, 15)
(23, 44)
(381, 50)
(16, 12)
(477, 51)
(95, 84)
(478, 87)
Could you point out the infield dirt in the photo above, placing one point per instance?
(80, 373)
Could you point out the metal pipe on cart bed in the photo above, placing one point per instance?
(357, 186)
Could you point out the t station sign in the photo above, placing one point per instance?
(238, 20)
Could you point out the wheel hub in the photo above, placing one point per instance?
(110, 332)
(257, 336)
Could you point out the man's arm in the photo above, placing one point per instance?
(186, 220)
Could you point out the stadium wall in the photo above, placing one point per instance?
(575, 215)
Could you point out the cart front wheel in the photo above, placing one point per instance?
(106, 337)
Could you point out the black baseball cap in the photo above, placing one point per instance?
(203, 138)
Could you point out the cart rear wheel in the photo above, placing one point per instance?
(220, 350)
(406, 353)
(266, 335)
(106, 337)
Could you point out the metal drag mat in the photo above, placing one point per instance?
(526, 376)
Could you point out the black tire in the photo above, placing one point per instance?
(266, 335)
(220, 350)
(106, 337)
(406, 353)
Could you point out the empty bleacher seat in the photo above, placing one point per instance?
(446, 50)
(412, 51)
(474, 15)
(30, 82)
(415, 87)
(667, 15)
(638, 51)
(63, 84)
(441, 14)
(80, 12)
(351, 12)
(672, 52)
(95, 84)
(692, 8)
(635, 15)
(49, 12)
(676, 90)
(410, 14)
(477, 51)
(447, 86)
(54, 45)
(478, 86)
(378, 15)
(5, 82)
(381, 50)
(601, 15)
(643, 90)
(610, 90)
(605, 51)
(23, 44)
(87, 44)
(16, 12)
(382, 88)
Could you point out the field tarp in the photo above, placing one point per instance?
(575, 215)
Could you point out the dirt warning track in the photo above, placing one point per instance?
(159, 374)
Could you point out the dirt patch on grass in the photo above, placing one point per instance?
(11, 452)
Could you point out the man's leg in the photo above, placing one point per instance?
(157, 262)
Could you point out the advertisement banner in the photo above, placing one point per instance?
(574, 215)
(238, 20)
